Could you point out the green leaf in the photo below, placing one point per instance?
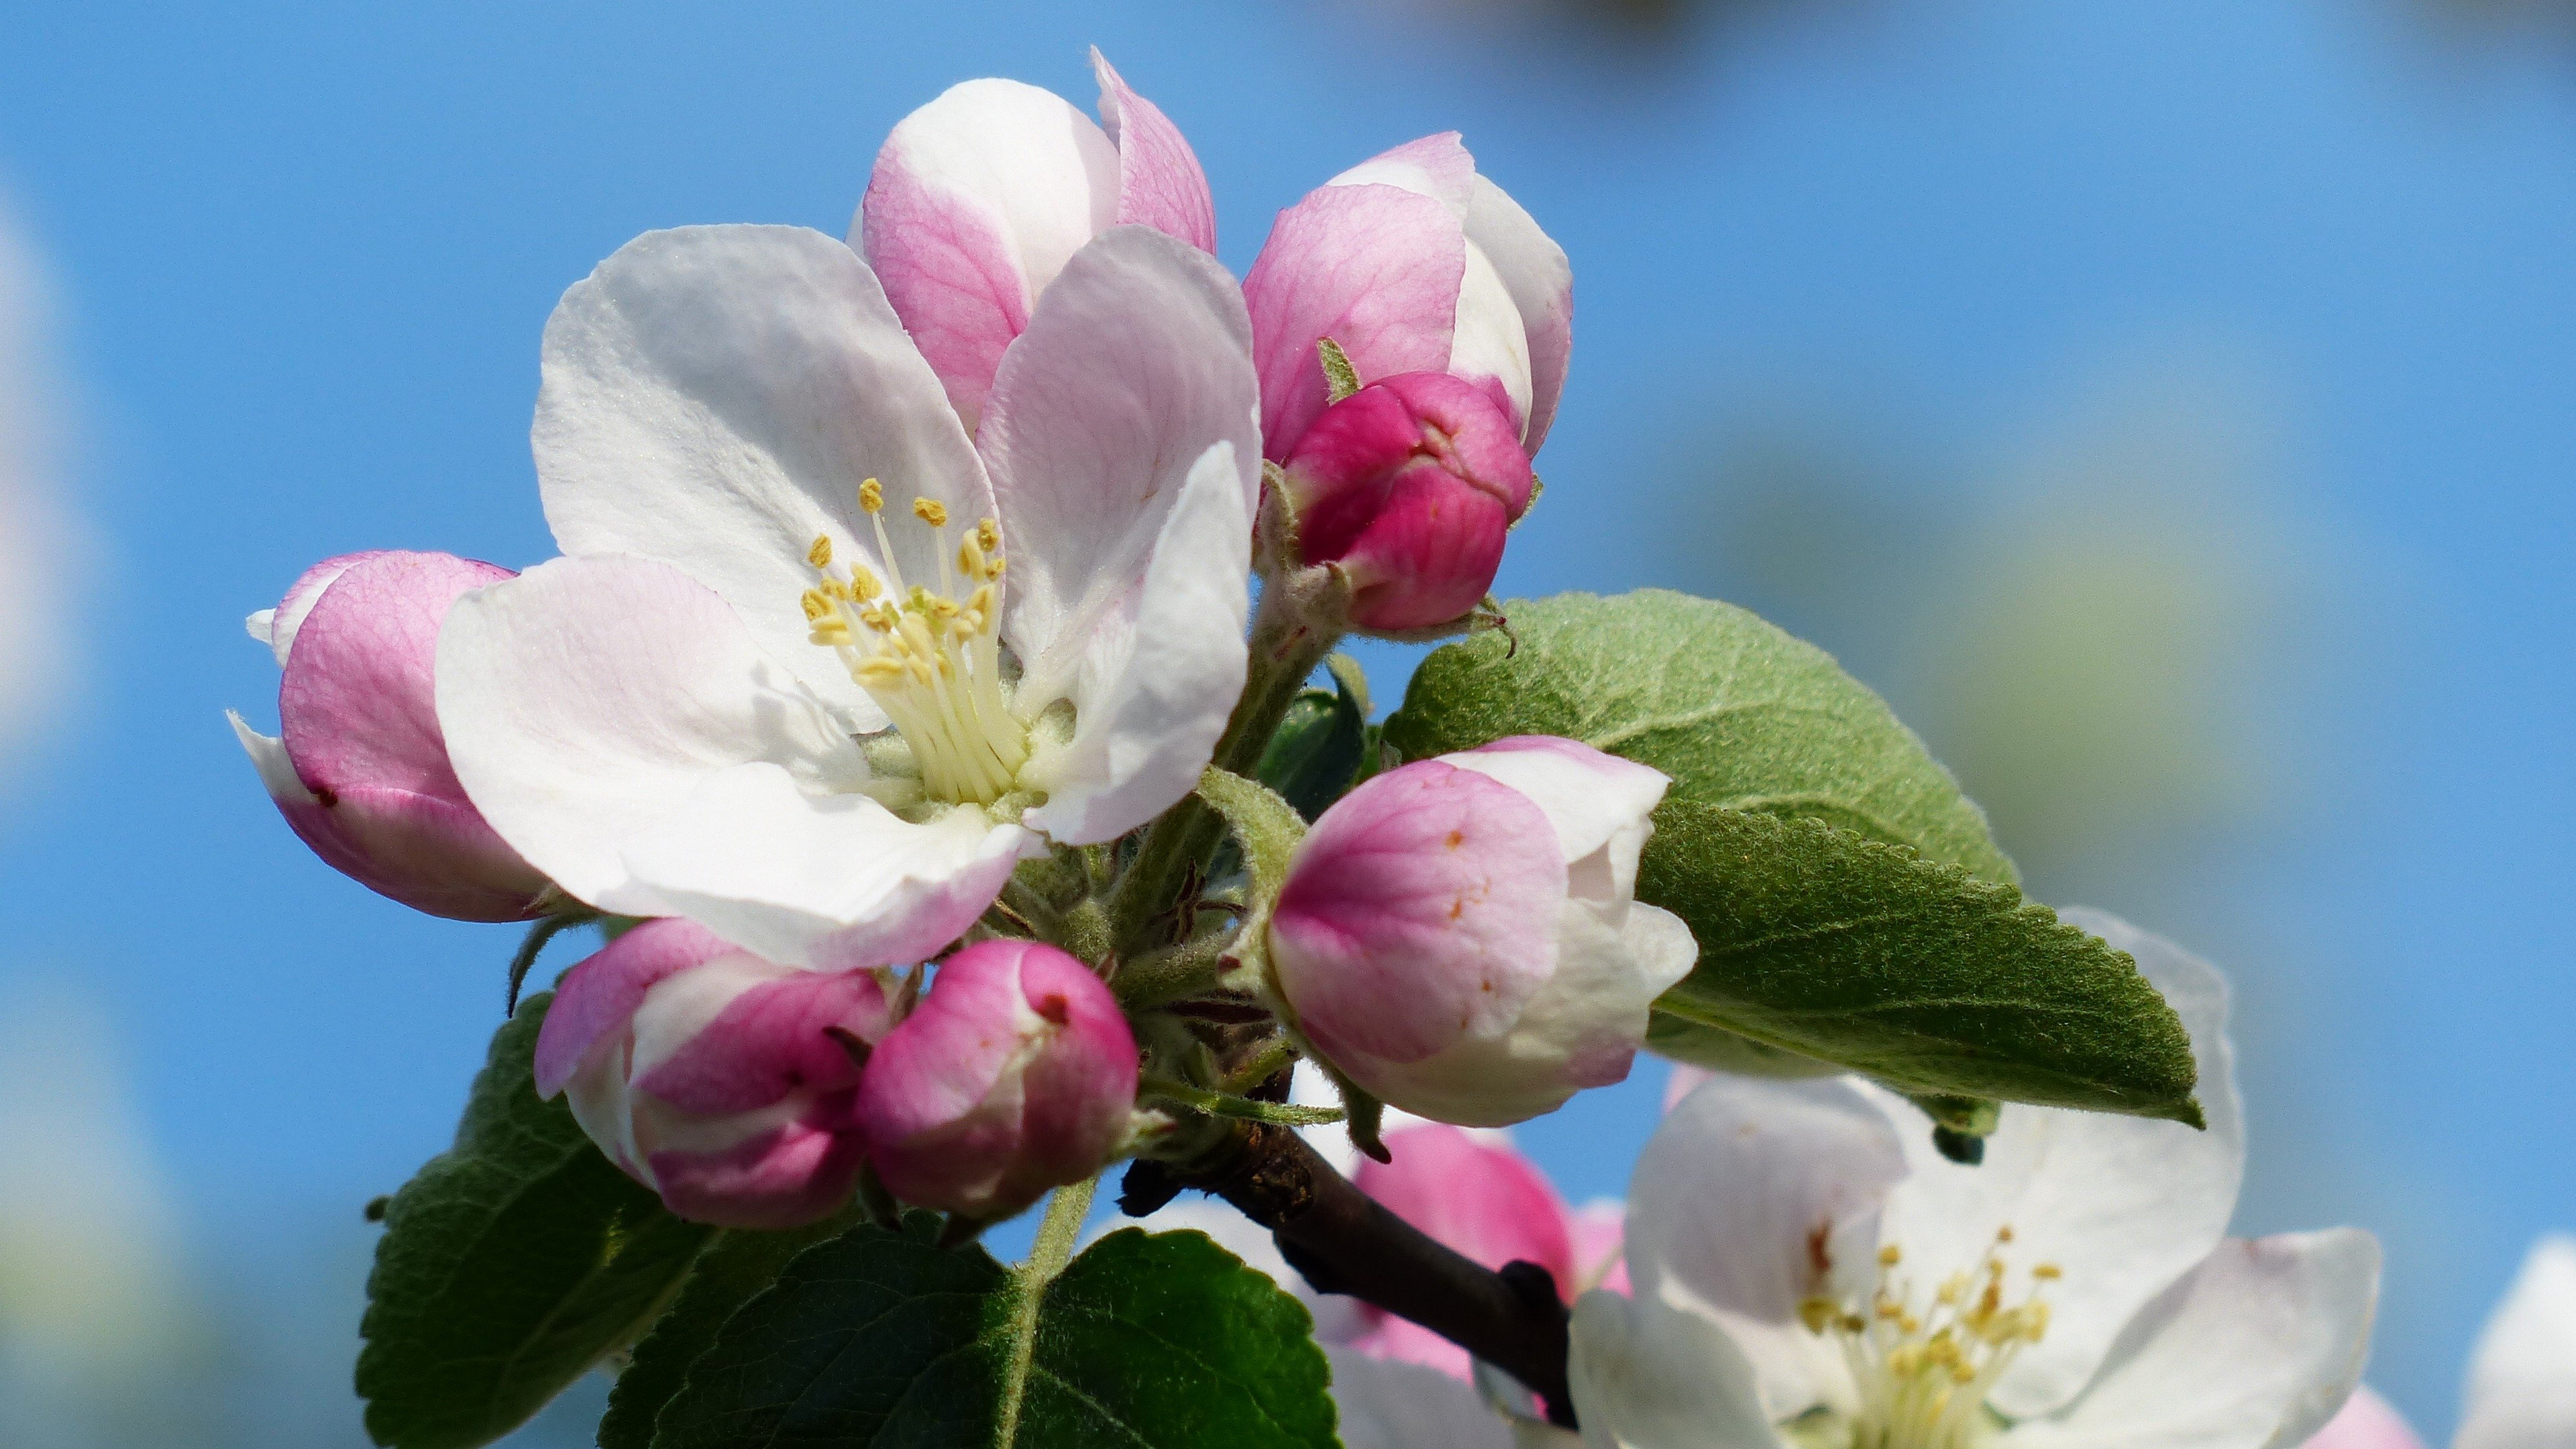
(875, 1338)
(1316, 750)
(1740, 714)
(1819, 941)
(511, 1264)
(726, 1277)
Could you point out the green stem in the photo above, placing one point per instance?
(1221, 1104)
(1058, 1231)
(1287, 643)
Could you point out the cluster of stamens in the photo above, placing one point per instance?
(930, 660)
(1924, 1372)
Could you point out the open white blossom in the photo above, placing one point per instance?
(818, 668)
(2521, 1392)
(1810, 1272)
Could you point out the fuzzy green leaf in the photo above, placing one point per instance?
(1740, 714)
(877, 1339)
(726, 1277)
(510, 1265)
(1819, 941)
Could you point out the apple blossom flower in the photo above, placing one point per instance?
(1460, 936)
(781, 683)
(358, 766)
(726, 1083)
(980, 198)
(1809, 1269)
(1409, 486)
(2366, 1422)
(2521, 1391)
(1016, 1074)
(1411, 261)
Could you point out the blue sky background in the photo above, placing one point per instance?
(2288, 281)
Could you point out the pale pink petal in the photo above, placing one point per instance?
(783, 1178)
(276, 627)
(1437, 166)
(977, 201)
(358, 704)
(771, 1040)
(1159, 181)
(2366, 1421)
(1374, 267)
(598, 998)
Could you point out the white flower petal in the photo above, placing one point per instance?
(1752, 1196)
(588, 699)
(2521, 1391)
(712, 398)
(1389, 1405)
(826, 881)
(1137, 362)
(268, 756)
(1489, 344)
(2257, 1347)
(1534, 271)
(1650, 1377)
(1158, 672)
(2123, 1204)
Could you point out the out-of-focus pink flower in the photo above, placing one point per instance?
(1016, 1074)
(1411, 262)
(1475, 1193)
(726, 1083)
(359, 768)
(2366, 1422)
(980, 198)
(1460, 936)
(1409, 485)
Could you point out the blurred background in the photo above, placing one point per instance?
(2166, 404)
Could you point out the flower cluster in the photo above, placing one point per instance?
(900, 710)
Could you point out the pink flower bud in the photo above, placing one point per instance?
(1460, 936)
(726, 1083)
(1016, 1074)
(1410, 485)
(360, 768)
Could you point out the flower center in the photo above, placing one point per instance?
(1924, 1366)
(931, 661)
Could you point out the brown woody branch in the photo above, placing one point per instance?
(1343, 1241)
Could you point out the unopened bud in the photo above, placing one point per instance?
(1460, 936)
(359, 767)
(1016, 1074)
(1410, 485)
(726, 1083)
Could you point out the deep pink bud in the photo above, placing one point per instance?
(1461, 937)
(360, 768)
(1410, 484)
(724, 1082)
(1016, 1074)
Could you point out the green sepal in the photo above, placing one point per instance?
(510, 1265)
(1819, 941)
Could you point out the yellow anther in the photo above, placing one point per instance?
(981, 601)
(1905, 1362)
(970, 559)
(819, 553)
(1890, 1256)
(872, 495)
(988, 535)
(2047, 1272)
(941, 609)
(1852, 1323)
(1962, 1373)
(833, 589)
(2004, 1234)
(918, 601)
(1953, 1290)
(818, 605)
(1908, 1323)
(1816, 1313)
(879, 669)
(831, 633)
(863, 584)
(930, 511)
(1889, 1310)
(1990, 1300)
(2034, 1321)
